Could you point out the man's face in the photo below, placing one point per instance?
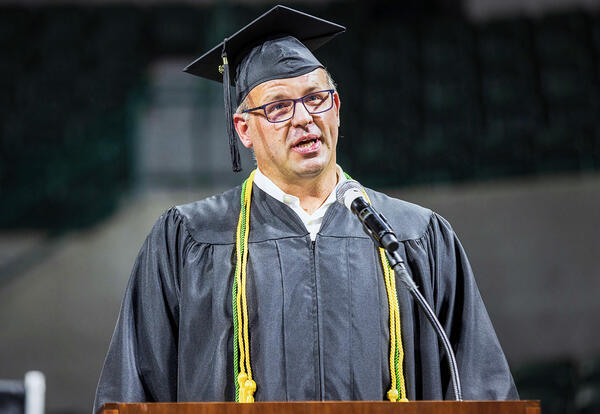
(300, 148)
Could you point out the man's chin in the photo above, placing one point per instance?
(310, 168)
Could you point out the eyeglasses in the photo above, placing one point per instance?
(284, 109)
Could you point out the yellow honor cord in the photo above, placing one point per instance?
(397, 391)
(244, 263)
(244, 382)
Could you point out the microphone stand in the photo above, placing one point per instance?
(399, 267)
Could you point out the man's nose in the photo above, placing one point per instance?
(301, 115)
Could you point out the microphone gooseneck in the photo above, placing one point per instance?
(351, 194)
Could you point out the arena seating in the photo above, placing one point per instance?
(425, 98)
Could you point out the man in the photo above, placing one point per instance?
(272, 291)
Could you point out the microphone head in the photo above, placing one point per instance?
(349, 191)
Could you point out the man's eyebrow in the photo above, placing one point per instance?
(314, 88)
(276, 97)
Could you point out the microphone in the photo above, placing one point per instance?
(351, 194)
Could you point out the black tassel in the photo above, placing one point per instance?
(233, 146)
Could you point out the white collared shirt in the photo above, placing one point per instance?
(313, 221)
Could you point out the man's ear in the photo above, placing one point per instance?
(240, 121)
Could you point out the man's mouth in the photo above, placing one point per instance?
(308, 144)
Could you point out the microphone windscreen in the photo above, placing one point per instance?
(349, 191)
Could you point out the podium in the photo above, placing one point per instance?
(328, 407)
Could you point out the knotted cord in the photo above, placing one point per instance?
(397, 391)
(242, 369)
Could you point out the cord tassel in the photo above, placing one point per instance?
(233, 146)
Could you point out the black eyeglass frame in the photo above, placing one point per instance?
(293, 112)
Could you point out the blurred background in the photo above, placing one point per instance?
(486, 111)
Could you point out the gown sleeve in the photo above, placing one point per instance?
(483, 369)
(141, 364)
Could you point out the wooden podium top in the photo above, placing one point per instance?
(328, 407)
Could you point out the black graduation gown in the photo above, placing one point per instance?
(318, 311)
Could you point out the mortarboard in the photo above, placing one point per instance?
(276, 45)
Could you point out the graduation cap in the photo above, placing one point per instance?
(276, 45)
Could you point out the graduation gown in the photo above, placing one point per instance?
(318, 310)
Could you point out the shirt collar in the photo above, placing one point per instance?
(269, 187)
